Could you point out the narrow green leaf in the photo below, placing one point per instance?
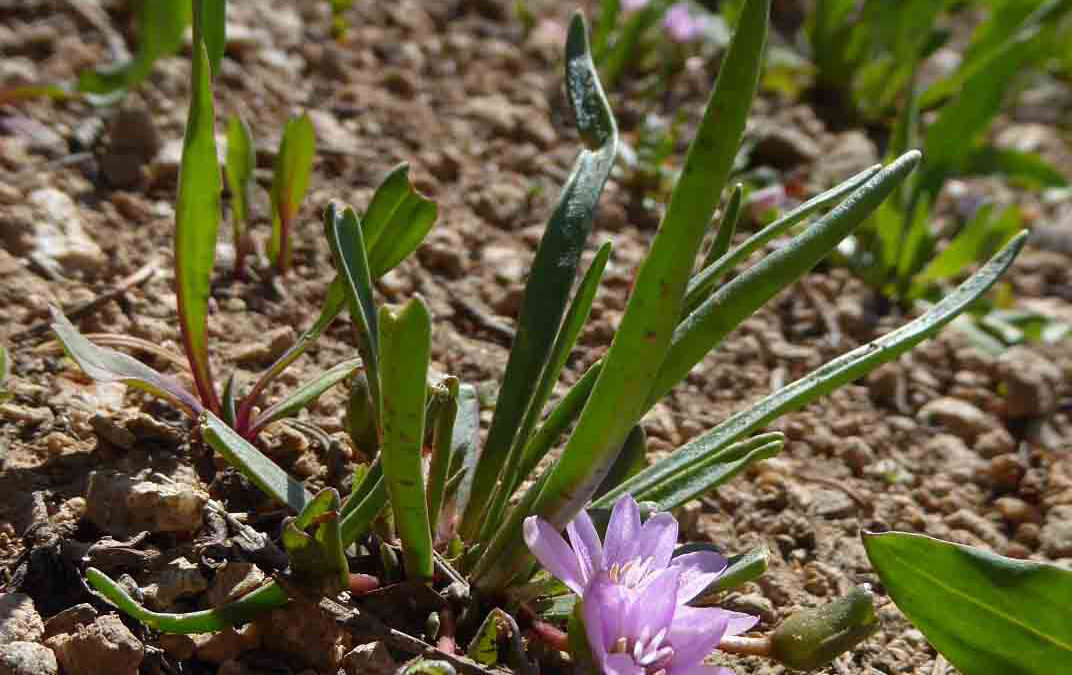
(320, 504)
(576, 318)
(351, 260)
(1013, 22)
(161, 26)
(723, 311)
(988, 615)
(609, 12)
(197, 220)
(334, 301)
(357, 520)
(614, 58)
(442, 438)
(706, 279)
(742, 568)
(229, 410)
(980, 238)
(248, 607)
(241, 161)
(621, 390)
(214, 28)
(565, 413)
(1027, 168)
(706, 475)
(631, 460)
(304, 395)
(252, 463)
(293, 165)
(404, 346)
(423, 666)
(727, 226)
(108, 365)
(961, 123)
(552, 272)
(827, 378)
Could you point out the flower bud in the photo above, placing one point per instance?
(811, 638)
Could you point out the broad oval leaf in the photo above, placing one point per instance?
(987, 614)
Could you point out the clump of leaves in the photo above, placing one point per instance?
(455, 510)
(196, 228)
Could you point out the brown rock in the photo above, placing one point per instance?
(304, 632)
(959, 417)
(231, 582)
(1031, 382)
(227, 644)
(105, 646)
(27, 658)
(19, 620)
(121, 505)
(369, 659)
(69, 619)
(1055, 538)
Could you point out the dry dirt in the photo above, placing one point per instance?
(947, 441)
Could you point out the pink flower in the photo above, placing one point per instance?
(681, 24)
(634, 592)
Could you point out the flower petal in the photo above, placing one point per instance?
(739, 622)
(699, 570)
(622, 531)
(621, 664)
(695, 632)
(604, 608)
(553, 552)
(657, 540)
(700, 669)
(585, 541)
(654, 607)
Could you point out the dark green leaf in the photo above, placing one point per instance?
(252, 463)
(726, 228)
(351, 260)
(304, 395)
(705, 327)
(552, 272)
(825, 379)
(108, 365)
(988, 615)
(1027, 168)
(620, 396)
(983, 235)
(197, 220)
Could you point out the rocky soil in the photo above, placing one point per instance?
(947, 441)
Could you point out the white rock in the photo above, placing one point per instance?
(60, 242)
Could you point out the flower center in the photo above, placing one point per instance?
(647, 651)
(631, 573)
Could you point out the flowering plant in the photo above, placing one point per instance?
(460, 513)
